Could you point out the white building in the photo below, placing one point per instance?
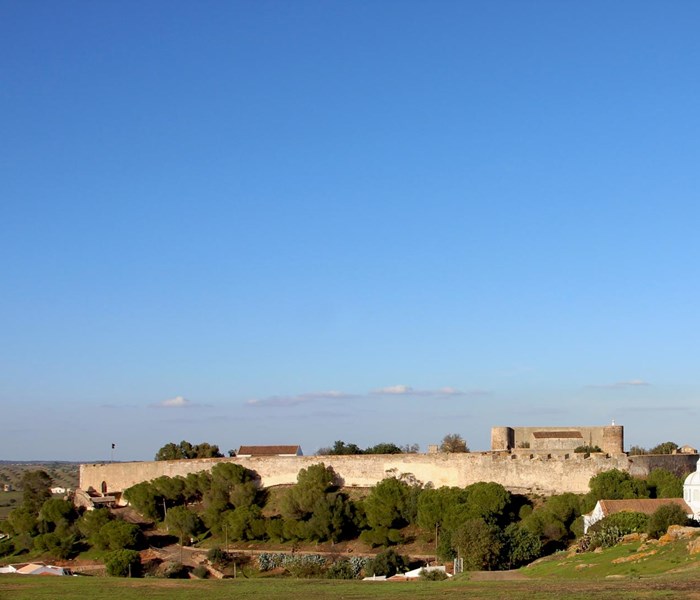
(690, 503)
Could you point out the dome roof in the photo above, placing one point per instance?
(694, 478)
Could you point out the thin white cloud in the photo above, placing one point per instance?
(390, 391)
(176, 402)
(619, 385)
(395, 390)
(407, 390)
(299, 399)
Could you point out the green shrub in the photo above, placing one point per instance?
(606, 537)
(626, 522)
(587, 449)
(387, 563)
(433, 575)
(201, 572)
(176, 570)
(664, 517)
(217, 556)
(341, 569)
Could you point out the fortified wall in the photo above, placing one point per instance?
(518, 471)
(523, 459)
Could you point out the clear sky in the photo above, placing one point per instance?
(297, 222)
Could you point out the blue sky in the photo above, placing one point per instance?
(297, 222)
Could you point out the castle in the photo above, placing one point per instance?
(522, 459)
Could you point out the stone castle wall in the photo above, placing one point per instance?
(519, 471)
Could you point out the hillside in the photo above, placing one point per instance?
(676, 553)
(64, 474)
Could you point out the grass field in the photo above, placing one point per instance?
(17, 587)
(626, 571)
(8, 501)
(63, 474)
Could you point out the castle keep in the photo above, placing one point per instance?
(609, 439)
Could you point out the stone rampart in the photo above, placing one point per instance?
(518, 471)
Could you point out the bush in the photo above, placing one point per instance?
(587, 449)
(626, 522)
(606, 537)
(176, 570)
(201, 572)
(387, 563)
(433, 575)
(217, 556)
(123, 563)
(341, 569)
(664, 517)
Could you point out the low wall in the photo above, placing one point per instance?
(517, 471)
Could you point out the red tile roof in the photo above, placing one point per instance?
(557, 434)
(268, 450)
(647, 506)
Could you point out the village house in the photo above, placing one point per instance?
(690, 503)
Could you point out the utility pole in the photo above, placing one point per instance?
(436, 542)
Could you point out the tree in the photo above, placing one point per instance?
(617, 485)
(92, 521)
(36, 486)
(453, 442)
(123, 563)
(56, 513)
(57, 545)
(389, 505)
(340, 448)
(143, 498)
(384, 448)
(520, 546)
(22, 521)
(118, 535)
(664, 448)
(435, 506)
(479, 544)
(182, 521)
(185, 450)
(488, 501)
(245, 523)
(664, 484)
(312, 483)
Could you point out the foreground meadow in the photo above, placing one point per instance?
(16, 587)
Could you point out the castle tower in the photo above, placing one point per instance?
(613, 439)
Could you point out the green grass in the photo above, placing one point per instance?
(592, 565)
(19, 587)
